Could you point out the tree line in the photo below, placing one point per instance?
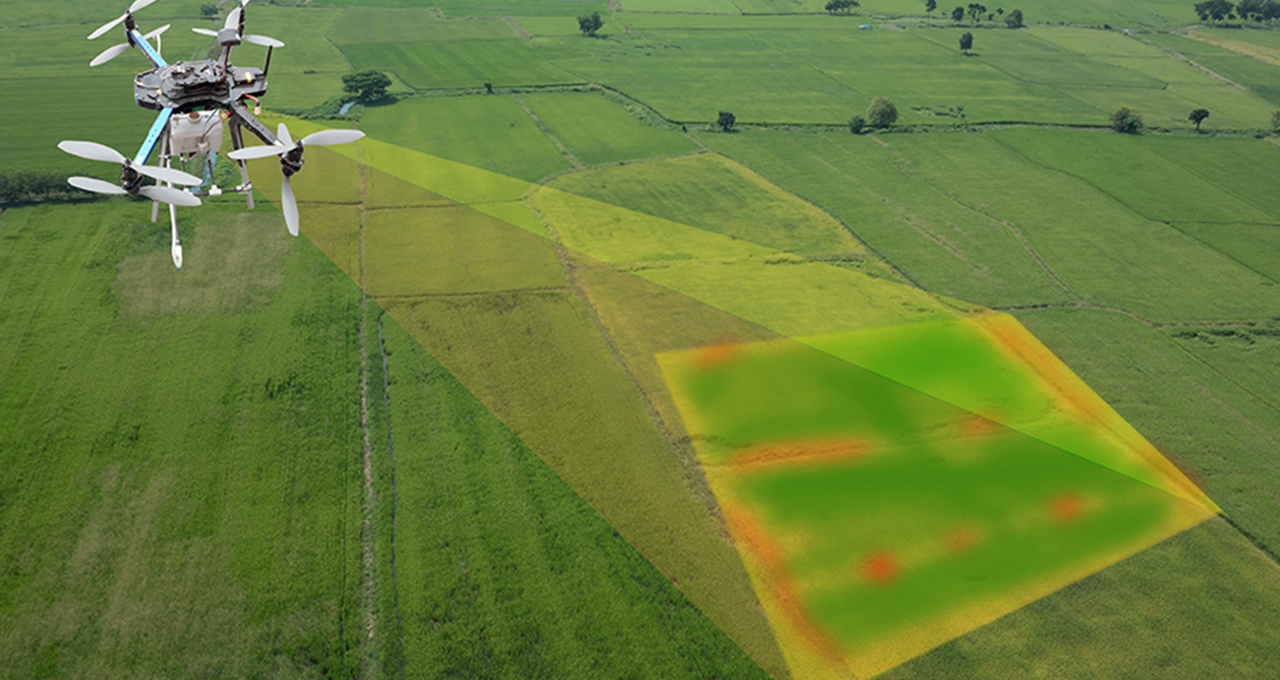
(33, 185)
(1245, 10)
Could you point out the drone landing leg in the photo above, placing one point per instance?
(237, 141)
(176, 249)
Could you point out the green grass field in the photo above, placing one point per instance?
(507, 140)
(599, 131)
(166, 515)
(181, 487)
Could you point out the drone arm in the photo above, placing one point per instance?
(240, 113)
(149, 144)
(136, 37)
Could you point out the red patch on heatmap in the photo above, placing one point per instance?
(880, 568)
(1066, 507)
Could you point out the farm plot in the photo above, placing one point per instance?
(690, 76)
(403, 247)
(1192, 622)
(1239, 168)
(180, 467)
(504, 139)
(936, 240)
(597, 131)
(1261, 78)
(1105, 252)
(383, 25)
(502, 568)
(1255, 246)
(684, 6)
(710, 192)
(439, 64)
(1145, 182)
(928, 77)
(1149, 373)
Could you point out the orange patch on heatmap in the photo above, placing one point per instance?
(786, 593)
(1066, 507)
(717, 353)
(880, 567)
(961, 538)
(976, 425)
(798, 453)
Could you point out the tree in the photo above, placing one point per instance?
(1250, 9)
(208, 10)
(1275, 120)
(726, 121)
(1197, 116)
(369, 84)
(976, 10)
(845, 6)
(1271, 10)
(1126, 120)
(929, 6)
(1214, 9)
(1014, 20)
(590, 23)
(957, 14)
(966, 41)
(881, 113)
(856, 124)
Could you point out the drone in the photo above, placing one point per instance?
(193, 98)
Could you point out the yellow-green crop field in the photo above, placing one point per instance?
(568, 380)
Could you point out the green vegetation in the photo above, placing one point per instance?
(507, 140)
(180, 466)
(369, 85)
(710, 192)
(590, 23)
(179, 480)
(500, 567)
(596, 130)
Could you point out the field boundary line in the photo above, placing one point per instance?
(681, 447)
(551, 136)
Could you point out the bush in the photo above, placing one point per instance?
(1126, 120)
(856, 123)
(1014, 20)
(726, 120)
(881, 113)
(1275, 120)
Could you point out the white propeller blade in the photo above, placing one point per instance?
(168, 175)
(137, 5)
(251, 152)
(109, 54)
(290, 207)
(156, 33)
(261, 40)
(92, 151)
(205, 31)
(170, 195)
(233, 19)
(95, 185)
(331, 137)
(282, 131)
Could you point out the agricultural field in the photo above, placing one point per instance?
(565, 380)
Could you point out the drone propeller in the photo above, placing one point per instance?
(98, 152)
(137, 5)
(288, 204)
(153, 192)
(262, 40)
(251, 39)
